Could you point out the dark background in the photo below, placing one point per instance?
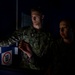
(54, 10)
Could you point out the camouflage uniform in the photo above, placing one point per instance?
(40, 42)
(64, 63)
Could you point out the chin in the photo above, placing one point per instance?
(37, 27)
(64, 37)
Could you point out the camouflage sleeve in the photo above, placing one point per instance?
(34, 62)
(16, 36)
(46, 59)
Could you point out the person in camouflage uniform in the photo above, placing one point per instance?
(65, 49)
(35, 43)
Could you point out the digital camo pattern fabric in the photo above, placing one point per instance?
(39, 40)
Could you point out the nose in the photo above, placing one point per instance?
(61, 29)
(34, 18)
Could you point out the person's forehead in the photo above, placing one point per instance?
(63, 23)
(35, 13)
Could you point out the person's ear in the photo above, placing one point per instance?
(42, 16)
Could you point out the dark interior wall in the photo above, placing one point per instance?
(7, 17)
(53, 10)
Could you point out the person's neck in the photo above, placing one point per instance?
(37, 27)
(68, 41)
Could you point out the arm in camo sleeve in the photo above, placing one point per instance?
(16, 36)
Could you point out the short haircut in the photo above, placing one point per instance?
(38, 9)
(70, 22)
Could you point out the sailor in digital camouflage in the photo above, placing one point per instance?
(39, 40)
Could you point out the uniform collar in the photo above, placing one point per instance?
(36, 30)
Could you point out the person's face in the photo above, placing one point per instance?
(64, 30)
(36, 19)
